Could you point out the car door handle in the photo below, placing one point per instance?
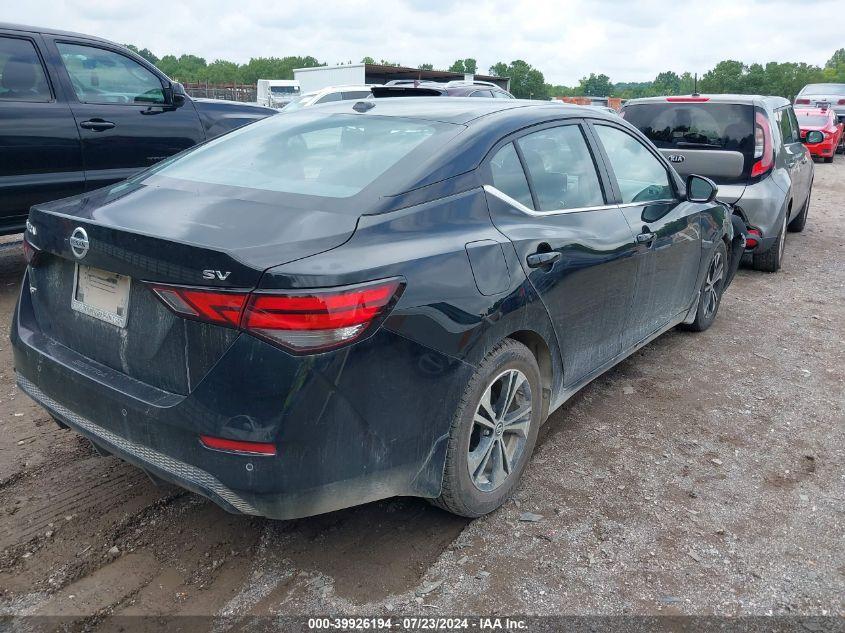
(98, 125)
(541, 259)
(646, 237)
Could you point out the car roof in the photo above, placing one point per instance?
(737, 99)
(38, 29)
(461, 110)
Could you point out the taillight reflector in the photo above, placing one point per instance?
(301, 320)
(753, 238)
(30, 252)
(238, 446)
(802, 101)
(840, 102)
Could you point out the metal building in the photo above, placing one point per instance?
(355, 74)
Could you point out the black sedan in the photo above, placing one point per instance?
(363, 300)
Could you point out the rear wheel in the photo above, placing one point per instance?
(771, 260)
(800, 221)
(710, 294)
(493, 431)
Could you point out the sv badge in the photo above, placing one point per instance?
(216, 274)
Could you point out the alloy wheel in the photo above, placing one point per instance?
(713, 284)
(500, 429)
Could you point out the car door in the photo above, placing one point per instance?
(547, 195)
(667, 231)
(40, 156)
(796, 157)
(122, 110)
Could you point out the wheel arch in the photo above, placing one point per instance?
(539, 347)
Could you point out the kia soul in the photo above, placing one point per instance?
(358, 301)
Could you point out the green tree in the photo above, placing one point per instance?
(526, 81)
(144, 52)
(426, 67)
(368, 60)
(726, 77)
(221, 71)
(595, 85)
(466, 66)
(666, 83)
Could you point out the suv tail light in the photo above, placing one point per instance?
(763, 155)
(299, 320)
(802, 101)
(840, 102)
(30, 252)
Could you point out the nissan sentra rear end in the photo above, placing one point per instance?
(148, 322)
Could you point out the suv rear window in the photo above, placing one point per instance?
(719, 126)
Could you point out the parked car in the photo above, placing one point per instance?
(825, 130)
(329, 94)
(750, 146)
(823, 95)
(413, 88)
(350, 303)
(78, 112)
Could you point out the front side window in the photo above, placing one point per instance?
(498, 94)
(561, 169)
(102, 76)
(328, 98)
(330, 156)
(509, 177)
(22, 76)
(482, 93)
(640, 175)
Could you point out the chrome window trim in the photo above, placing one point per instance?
(501, 195)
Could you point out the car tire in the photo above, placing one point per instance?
(477, 478)
(800, 221)
(770, 261)
(710, 292)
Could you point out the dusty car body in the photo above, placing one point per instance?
(297, 337)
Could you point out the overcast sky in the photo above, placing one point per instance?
(629, 40)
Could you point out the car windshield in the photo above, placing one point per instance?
(824, 89)
(334, 156)
(721, 126)
(812, 120)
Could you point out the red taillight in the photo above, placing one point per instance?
(223, 308)
(301, 320)
(840, 102)
(687, 99)
(763, 156)
(317, 319)
(753, 238)
(237, 446)
(802, 101)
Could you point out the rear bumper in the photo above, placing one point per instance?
(359, 424)
(761, 205)
(822, 150)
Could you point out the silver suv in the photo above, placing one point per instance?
(750, 146)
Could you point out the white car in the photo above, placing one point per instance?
(332, 93)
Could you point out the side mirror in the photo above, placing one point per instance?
(813, 137)
(178, 96)
(701, 189)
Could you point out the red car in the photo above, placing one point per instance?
(826, 122)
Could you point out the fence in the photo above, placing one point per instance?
(230, 92)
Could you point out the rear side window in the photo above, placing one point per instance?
(102, 76)
(22, 76)
(482, 93)
(640, 175)
(356, 94)
(332, 96)
(788, 128)
(561, 169)
(498, 94)
(509, 177)
(330, 156)
(719, 126)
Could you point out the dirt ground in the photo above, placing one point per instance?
(704, 475)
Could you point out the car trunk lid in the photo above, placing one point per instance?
(167, 236)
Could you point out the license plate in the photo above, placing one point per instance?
(101, 294)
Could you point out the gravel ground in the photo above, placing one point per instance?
(704, 475)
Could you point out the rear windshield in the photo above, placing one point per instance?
(816, 120)
(333, 156)
(718, 126)
(823, 89)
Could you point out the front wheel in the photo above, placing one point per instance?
(493, 431)
(710, 293)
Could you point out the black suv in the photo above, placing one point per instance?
(78, 113)
(413, 88)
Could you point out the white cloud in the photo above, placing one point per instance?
(565, 39)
